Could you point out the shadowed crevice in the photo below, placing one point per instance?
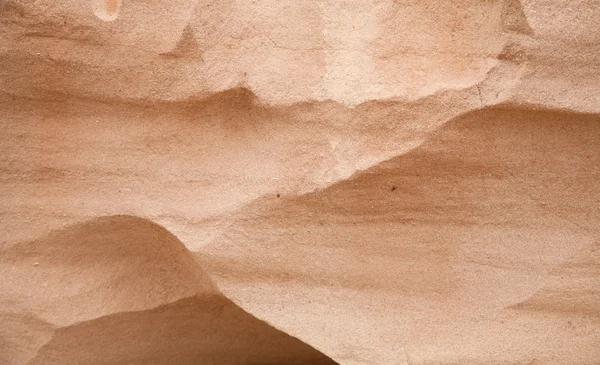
(124, 290)
(207, 330)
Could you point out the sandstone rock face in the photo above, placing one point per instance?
(479, 246)
(387, 181)
(122, 290)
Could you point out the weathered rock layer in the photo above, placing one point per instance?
(122, 290)
(390, 181)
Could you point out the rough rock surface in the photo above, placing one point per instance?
(388, 181)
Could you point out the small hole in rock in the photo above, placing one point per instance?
(106, 10)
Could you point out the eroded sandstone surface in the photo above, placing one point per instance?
(386, 181)
(123, 290)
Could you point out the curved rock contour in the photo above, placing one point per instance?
(123, 290)
(428, 254)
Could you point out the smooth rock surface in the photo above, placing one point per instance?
(391, 182)
(123, 290)
(478, 247)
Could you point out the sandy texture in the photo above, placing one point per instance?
(478, 247)
(389, 181)
(122, 290)
(349, 52)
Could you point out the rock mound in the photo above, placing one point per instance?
(103, 266)
(123, 290)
